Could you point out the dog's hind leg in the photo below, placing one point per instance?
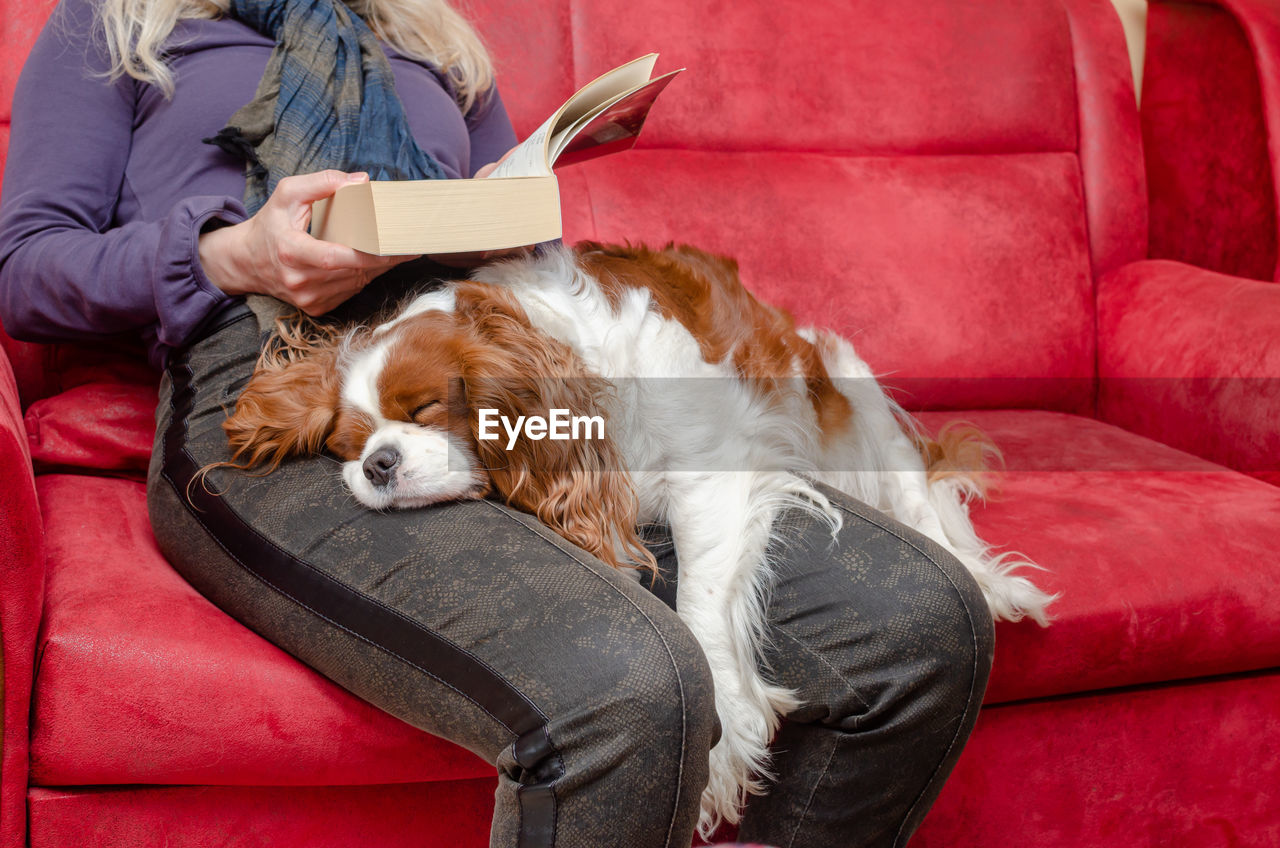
(721, 524)
(876, 460)
(879, 461)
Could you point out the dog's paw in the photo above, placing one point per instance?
(1012, 597)
(739, 767)
(733, 777)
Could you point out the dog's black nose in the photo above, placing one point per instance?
(380, 466)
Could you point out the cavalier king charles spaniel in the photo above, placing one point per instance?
(700, 407)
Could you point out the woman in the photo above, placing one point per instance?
(468, 620)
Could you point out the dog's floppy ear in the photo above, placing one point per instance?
(289, 405)
(577, 487)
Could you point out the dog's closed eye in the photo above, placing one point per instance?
(424, 411)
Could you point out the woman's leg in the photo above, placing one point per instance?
(888, 642)
(467, 620)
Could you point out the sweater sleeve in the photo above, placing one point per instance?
(490, 130)
(68, 270)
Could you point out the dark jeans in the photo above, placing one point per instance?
(476, 623)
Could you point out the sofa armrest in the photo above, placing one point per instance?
(21, 602)
(1210, 130)
(1191, 358)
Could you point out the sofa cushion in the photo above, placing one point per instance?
(452, 814)
(835, 75)
(1189, 357)
(1165, 563)
(923, 170)
(852, 76)
(101, 425)
(1193, 765)
(140, 679)
(1207, 95)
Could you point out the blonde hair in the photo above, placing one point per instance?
(427, 30)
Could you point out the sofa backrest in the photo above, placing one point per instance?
(1208, 126)
(938, 181)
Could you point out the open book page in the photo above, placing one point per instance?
(529, 157)
(611, 130)
(533, 156)
(606, 87)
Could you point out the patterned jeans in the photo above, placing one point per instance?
(474, 622)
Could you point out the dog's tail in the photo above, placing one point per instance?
(961, 453)
(963, 465)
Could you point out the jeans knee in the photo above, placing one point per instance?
(888, 621)
(676, 691)
(629, 725)
(645, 706)
(949, 607)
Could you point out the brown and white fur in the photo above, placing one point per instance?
(719, 412)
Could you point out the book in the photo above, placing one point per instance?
(519, 203)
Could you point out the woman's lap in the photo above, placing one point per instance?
(478, 624)
(467, 620)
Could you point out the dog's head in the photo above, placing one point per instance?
(413, 405)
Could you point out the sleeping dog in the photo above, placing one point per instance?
(703, 408)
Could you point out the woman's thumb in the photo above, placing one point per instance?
(308, 188)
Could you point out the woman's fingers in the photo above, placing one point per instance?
(308, 188)
(317, 289)
(301, 250)
(272, 253)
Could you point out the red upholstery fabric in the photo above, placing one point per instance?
(533, 57)
(1166, 563)
(21, 598)
(30, 366)
(804, 182)
(1104, 745)
(1212, 184)
(855, 77)
(1223, 168)
(906, 255)
(44, 370)
(1261, 22)
(1115, 185)
(1196, 764)
(1135, 534)
(105, 426)
(1191, 358)
(143, 681)
(942, 182)
(20, 23)
(434, 815)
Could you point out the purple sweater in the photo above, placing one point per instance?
(107, 185)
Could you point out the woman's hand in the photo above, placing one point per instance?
(272, 253)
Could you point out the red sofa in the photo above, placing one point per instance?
(960, 188)
(1211, 131)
